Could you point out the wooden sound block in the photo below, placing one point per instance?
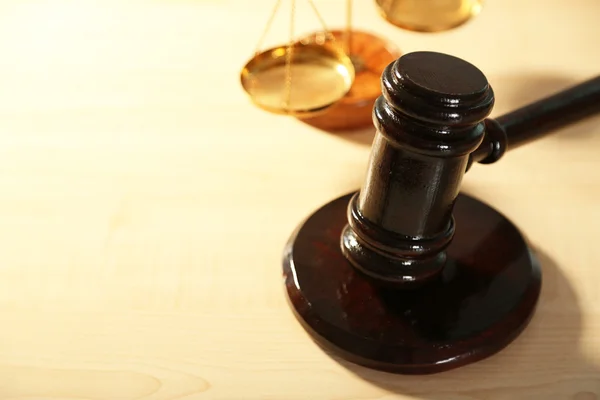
(370, 55)
(483, 298)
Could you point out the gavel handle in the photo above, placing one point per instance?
(537, 119)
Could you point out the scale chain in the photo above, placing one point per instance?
(290, 47)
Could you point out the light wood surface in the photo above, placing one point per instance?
(145, 203)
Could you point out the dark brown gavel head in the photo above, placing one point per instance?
(429, 120)
(407, 274)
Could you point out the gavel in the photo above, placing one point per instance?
(407, 274)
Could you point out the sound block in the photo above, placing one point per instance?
(484, 297)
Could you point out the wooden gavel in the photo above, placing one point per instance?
(408, 275)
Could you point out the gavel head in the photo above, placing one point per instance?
(428, 119)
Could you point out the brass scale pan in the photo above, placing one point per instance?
(302, 78)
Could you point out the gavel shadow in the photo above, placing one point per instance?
(517, 90)
(362, 136)
(513, 91)
(544, 362)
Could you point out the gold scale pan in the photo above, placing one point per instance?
(303, 78)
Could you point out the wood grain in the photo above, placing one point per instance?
(145, 203)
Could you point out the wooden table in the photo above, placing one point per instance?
(145, 204)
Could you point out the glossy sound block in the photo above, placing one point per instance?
(484, 297)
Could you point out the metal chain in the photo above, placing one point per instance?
(348, 33)
(322, 21)
(288, 61)
(267, 27)
(290, 47)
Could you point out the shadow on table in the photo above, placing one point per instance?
(362, 136)
(517, 90)
(544, 362)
